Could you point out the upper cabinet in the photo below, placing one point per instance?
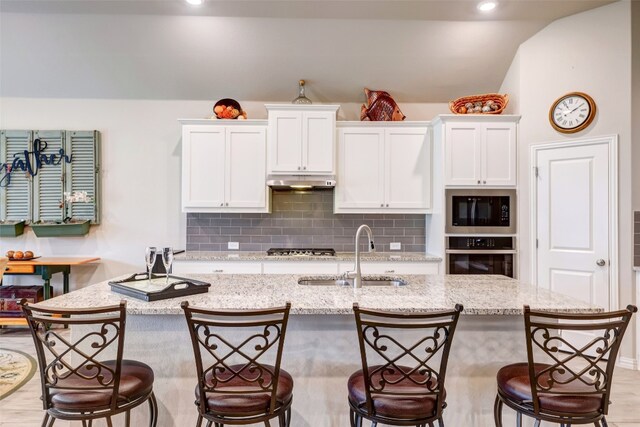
(479, 150)
(301, 139)
(224, 166)
(383, 168)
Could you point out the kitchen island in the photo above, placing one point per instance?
(321, 349)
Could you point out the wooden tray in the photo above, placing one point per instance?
(25, 259)
(137, 286)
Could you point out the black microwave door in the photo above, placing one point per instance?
(472, 211)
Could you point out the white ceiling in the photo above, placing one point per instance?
(420, 51)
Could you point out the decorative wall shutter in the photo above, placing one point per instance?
(15, 200)
(48, 183)
(82, 173)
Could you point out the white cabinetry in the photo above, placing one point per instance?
(224, 166)
(301, 139)
(383, 168)
(479, 150)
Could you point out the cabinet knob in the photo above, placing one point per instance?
(304, 167)
(227, 204)
(478, 181)
(387, 204)
(484, 182)
(382, 205)
(299, 167)
(221, 204)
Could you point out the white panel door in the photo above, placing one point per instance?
(360, 178)
(246, 167)
(285, 141)
(462, 154)
(318, 137)
(203, 166)
(573, 222)
(498, 154)
(407, 168)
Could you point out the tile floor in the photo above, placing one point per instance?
(23, 408)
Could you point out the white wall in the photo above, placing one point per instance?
(140, 174)
(588, 52)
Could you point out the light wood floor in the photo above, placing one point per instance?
(23, 408)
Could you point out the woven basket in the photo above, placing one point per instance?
(501, 100)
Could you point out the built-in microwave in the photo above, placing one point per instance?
(481, 211)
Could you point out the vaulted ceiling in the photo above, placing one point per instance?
(420, 51)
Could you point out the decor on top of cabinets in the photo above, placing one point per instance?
(479, 150)
(383, 168)
(382, 107)
(572, 112)
(223, 166)
(301, 139)
(229, 109)
(38, 167)
(301, 99)
(489, 103)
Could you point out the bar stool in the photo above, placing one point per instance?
(404, 362)
(76, 385)
(235, 386)
(567, 378)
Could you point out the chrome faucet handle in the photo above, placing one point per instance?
(346, 274)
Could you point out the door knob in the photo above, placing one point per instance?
(601, 262)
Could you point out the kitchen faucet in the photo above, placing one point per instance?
(357, 281)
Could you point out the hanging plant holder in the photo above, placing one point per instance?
(61, 229)
(11, 228)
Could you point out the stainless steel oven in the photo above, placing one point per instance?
(481, 255)
(481, 211)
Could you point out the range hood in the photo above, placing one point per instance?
(299, 182)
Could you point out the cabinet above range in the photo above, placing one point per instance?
(479, 150)
(301, 139)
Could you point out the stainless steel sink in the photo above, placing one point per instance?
(349, 282)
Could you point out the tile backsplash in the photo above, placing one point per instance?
(636, 238)
(302, 219)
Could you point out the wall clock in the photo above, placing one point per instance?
(572, 112)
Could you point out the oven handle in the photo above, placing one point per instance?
(481, 251)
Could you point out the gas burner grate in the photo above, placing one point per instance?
(301, 252)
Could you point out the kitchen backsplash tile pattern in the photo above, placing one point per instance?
(636, 239)
(302, 219)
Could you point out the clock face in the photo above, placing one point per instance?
(572, 112)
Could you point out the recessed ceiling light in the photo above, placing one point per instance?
(194, 2)
(487, 5)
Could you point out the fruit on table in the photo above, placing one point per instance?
(28, 254)
(18, 255)
(10, 254)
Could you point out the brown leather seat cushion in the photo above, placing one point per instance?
(251, 403)
(513, 381)
(136, 380)
(400, 407)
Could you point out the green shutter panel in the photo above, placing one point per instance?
(82, 173)
(48, 183)
(15, 199)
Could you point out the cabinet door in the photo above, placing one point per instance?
(246, 167)
(462, 154)
(360, 178)
(203, 164)
(318, 142)
(499, 154)
(285, 141)
(407, 168)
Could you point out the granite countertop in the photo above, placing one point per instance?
(481, 294)
(340, 256)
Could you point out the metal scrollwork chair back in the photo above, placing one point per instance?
(567, 377)
(238, 354)
(404, 355)
(582, 367)
(82, 376)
